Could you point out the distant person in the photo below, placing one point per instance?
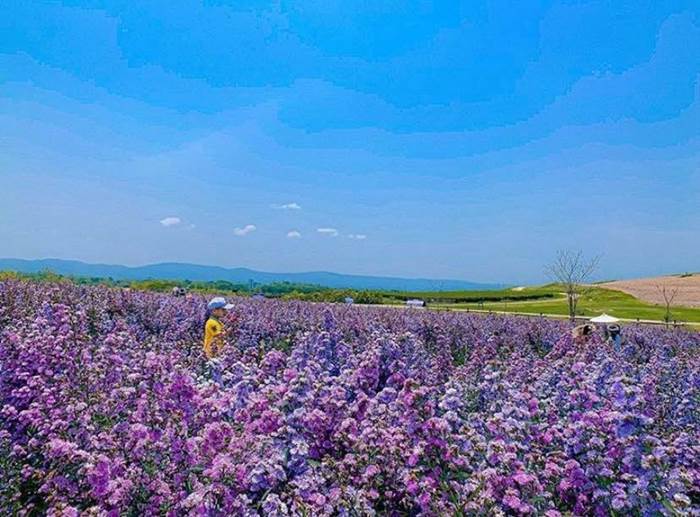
(582, 333)
(214, 331)
(615, 336)
(579, 337)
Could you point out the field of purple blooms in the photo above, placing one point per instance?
(107, 407)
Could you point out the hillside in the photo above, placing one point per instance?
(647, 289)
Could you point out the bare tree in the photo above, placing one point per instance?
(573, 271)
(668, 294)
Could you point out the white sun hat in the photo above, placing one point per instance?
(219, 303)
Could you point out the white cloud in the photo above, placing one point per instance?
(170, 221)
(331, 232)
(357, 236)
(287, 206)
(293, 234)
(242, 232)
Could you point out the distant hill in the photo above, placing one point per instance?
(684, 289)
(194, 272)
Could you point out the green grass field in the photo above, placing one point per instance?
(597, 301)
(531, 293)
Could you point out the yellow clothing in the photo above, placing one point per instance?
(212, 337)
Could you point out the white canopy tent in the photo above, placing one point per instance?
(604, 318)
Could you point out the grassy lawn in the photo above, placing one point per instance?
(615, 303)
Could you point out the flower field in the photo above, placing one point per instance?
(107, 407)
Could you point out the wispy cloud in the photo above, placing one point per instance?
(170, 221)
(357, 236)
(242, 232)
(287, 206)
(293, 234)
(331, 232)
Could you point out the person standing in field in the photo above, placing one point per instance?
(577, 339)
(614, 336)
(214, 331)
(583, 333)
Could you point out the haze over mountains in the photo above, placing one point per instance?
(195, 272)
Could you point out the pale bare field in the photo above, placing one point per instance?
(647, 289)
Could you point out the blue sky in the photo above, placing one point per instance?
(438, 139)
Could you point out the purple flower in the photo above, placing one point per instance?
(107, 406)
(273, 506)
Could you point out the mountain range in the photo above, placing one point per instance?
(195, 272)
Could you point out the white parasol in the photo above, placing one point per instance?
(604, 318)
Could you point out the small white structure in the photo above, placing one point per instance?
(258, 296)
(179, 291)
(349, 300)
(605, 318)
(415, 303)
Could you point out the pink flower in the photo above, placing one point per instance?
(523, 478)
(512, 501)
(371, 471)
(412, 487)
